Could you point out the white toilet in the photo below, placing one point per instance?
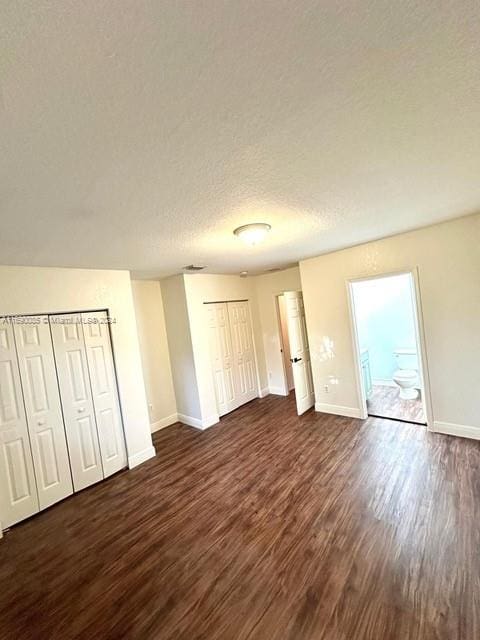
(406, 375)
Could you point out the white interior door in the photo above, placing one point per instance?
(221, 356)
(243, 352)
(299, 351)
(75, 392)
(104, 392)
(44, 413)
(18, 492)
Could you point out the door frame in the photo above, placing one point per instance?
(419, 339)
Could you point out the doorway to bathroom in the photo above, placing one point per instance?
(388, 343)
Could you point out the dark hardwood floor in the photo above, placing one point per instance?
(266, 527)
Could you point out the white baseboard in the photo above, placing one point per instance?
(277, 391)
(142, 456)
(459, 430)
(198, 424)
(164, 422)
(189, 421)
(264, 392)
(338, 410)
(209, 422)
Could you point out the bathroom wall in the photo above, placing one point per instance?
(385, 321)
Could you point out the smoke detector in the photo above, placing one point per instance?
(193, 267)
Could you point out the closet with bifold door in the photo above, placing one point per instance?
(60, 421)
(232, 354)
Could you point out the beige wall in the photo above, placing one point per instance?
(448, 260)
(152, 337)
(183, 298)
(267, 286)
(181, 351)
(201, 288)
(27, 290)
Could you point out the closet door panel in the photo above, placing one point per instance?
(18, 492)
(76, 398)
(243, 351)
(221, 356)
(104, 392)
(44, 413)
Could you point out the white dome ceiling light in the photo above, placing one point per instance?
(253, 233)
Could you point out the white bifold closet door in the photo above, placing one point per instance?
(104, 392)
(222, 357)
(44, 412)
(243, 351)
(18, 492)
(88, 388)
(232, 354)
(77, 402)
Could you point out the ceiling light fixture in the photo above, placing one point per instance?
(253, 233)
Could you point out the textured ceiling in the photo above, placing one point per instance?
(138, 134)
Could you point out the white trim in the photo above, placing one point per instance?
(210, 421)
(189, 421)
(264, 392)
(141, 456)
(163, 422)
(459, 430)
(277, 391)
(198, 424)
(338, 410)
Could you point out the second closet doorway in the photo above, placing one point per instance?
(232, 354)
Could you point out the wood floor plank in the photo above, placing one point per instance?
(266, 526)
(384, 401)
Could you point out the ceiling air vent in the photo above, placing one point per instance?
(193, 267)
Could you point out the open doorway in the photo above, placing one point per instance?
(294, 349)
(389, 350)
(285, 343)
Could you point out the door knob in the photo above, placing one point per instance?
(295, 360)
(81, 409)
(41, 423)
